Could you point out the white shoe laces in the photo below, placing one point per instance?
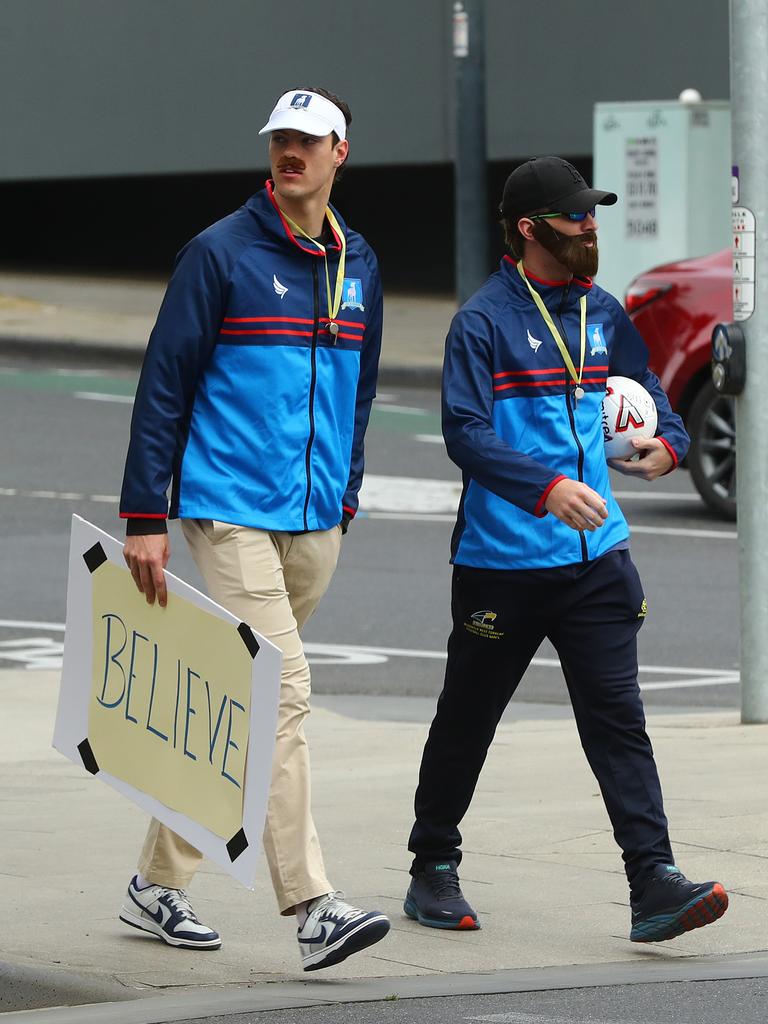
(336, 908)
(179, 900)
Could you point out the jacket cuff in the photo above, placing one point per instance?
(138, 526)
(673, 453)
(347, 515)
(539, 510)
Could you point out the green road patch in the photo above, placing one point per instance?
(65, 383)
(405, 422)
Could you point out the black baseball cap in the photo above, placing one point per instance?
(549, 183)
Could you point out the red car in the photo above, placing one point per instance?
(675, 307)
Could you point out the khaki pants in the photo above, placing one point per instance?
(273, 581)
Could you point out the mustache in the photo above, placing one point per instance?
(585, 236)
(290, 165)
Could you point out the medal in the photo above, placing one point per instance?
(334, 300)
(578, 394)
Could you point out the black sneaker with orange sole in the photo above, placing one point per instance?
(435, 899)
(670, 905)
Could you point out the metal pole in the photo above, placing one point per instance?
(749, 104)
(470, 185)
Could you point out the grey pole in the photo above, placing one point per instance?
(470, 186)
(749, 103)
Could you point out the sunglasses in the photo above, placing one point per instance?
(569, 216)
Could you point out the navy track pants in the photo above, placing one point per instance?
(591, 612)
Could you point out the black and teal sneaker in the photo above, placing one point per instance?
(670, 905)
(435, 899)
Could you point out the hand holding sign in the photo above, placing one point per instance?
(147, 556)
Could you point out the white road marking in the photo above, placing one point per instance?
(415, 500)
(421, 517)
(657, 496)
(64, 372)
(32, 654)
(679, 531)
(430, 438)
(660, 530)
(13, 492)
(513, 1017)
(44, 652)
(57, 627)
(410, 410)
(97, 396)
(731, 679)
(408, 494)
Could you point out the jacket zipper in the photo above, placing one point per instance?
(313, 381)
(572, 420)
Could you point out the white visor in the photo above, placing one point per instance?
(306, 112)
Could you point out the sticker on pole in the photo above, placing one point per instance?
(460, 31)
(743, 251)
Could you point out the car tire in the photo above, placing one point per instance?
(712, 455)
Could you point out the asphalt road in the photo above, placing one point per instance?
(381, 630)
(741, 1001)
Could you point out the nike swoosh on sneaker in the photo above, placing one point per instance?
(160, 917)
(322, 937)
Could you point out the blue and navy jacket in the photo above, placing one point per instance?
(246, 402)
(513, 427)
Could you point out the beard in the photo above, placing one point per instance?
(569, 249)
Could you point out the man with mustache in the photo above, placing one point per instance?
(253, 403)
(541, 547)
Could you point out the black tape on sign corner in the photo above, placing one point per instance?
(94, 557)
(248, 639)
(86, 754)
(237, 844)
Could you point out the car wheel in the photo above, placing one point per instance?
(712, 455)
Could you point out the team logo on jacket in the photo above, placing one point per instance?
(481, 623)
(280, 289)
(301, 99)
(596, 340)
(533, 342)
(352, 293)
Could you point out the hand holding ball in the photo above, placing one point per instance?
(628, 412)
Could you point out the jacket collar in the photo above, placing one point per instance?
(264, 208)
(551, 292)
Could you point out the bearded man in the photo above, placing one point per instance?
(541, 548)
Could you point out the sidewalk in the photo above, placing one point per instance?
(65, 316)
(540, 866)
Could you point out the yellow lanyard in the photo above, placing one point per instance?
(556, 334)
(335, 303)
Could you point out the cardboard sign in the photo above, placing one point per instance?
(174, 707)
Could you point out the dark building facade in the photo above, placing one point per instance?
(128, 125)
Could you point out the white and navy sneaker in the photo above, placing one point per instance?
(168, 914)
(334, 930)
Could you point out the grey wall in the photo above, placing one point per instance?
(104, 87)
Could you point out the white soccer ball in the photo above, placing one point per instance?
(628, 412)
